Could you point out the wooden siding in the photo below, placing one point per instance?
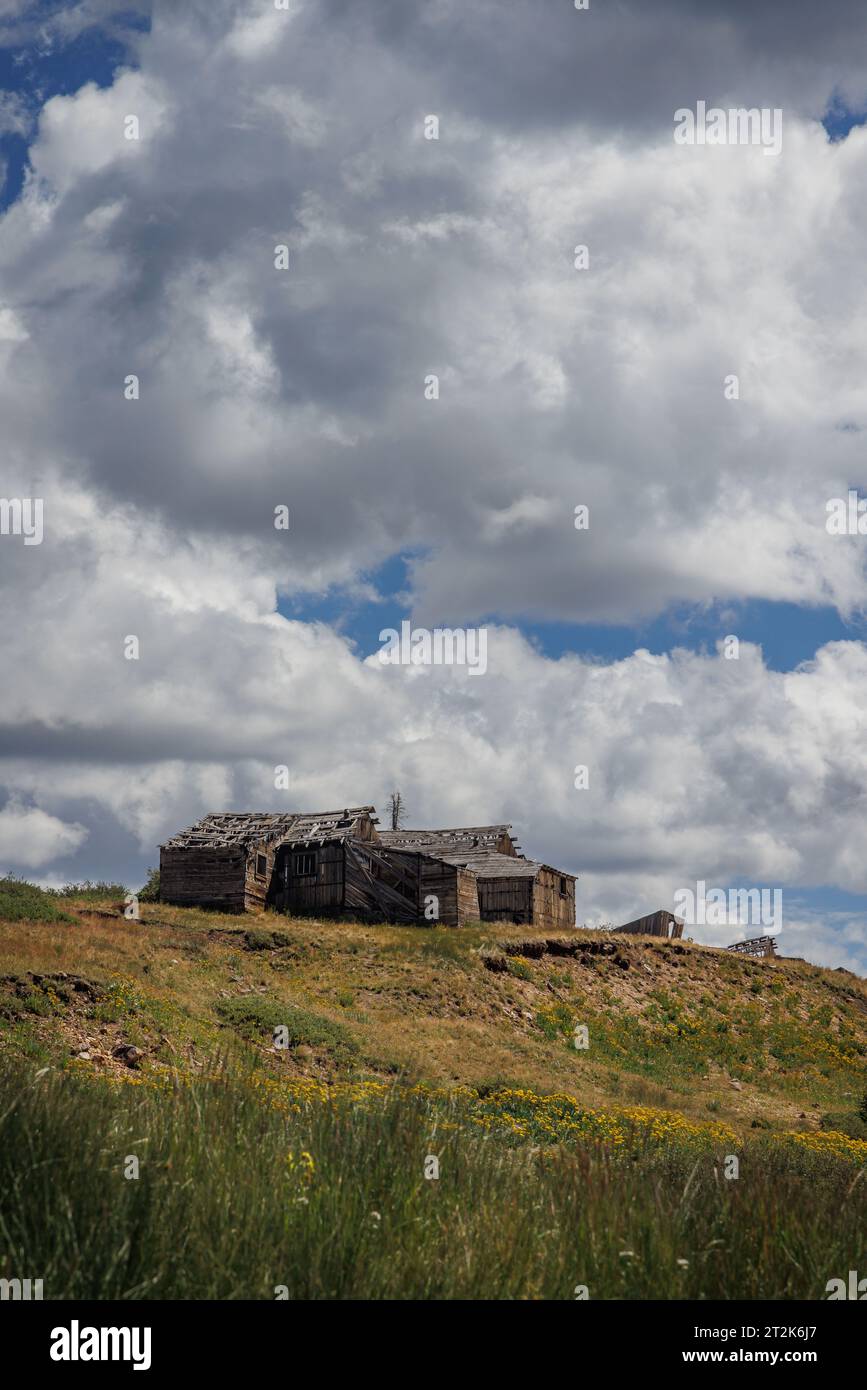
(504, 899)
(553, 900)
(468, 897)
(317, 894)
(378, 889)
(204, 877)
(455, 889)
(256, 885)
(353, 879)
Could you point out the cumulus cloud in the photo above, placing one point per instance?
(453, 257)
(408, 257)
(29, 837)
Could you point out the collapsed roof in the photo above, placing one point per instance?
(484, 837)
(226, 829)
(472, 847)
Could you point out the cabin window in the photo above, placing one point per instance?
(305, 866)
(261, 866)
(562, 888)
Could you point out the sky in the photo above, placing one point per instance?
(608, 387)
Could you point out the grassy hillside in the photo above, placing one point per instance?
(394, 1046)
(709, 1034)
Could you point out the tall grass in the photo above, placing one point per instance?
(227, 1205)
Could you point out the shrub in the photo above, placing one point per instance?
(151, 891)
(93, 892)
(257, 940)
(21, 901)
(845, 1122)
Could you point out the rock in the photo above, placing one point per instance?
(737, 1085)
(85, 1056)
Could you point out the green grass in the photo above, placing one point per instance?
(257, 1016)
(226, 1206)
(846, 1122)
(675, 1039)
(24, 902)
(257, 940)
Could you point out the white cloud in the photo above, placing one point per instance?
(29, 837)
(84, 134)
(15, 116)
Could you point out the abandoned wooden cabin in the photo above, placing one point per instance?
(338, 864)
(326, 863)
(228, 861)
(510, 887)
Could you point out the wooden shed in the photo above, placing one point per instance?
(511, 888)
(227, 861)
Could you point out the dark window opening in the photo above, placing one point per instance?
(305, 866)
(261, 865)
(562, 888)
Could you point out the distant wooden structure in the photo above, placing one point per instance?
(756, 946)
(339, 864)
(660, 923)
(511, 888)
